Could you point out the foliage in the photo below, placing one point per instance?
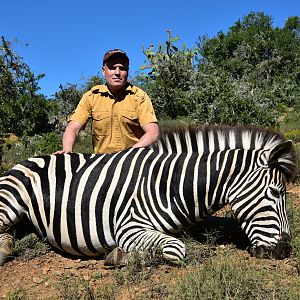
(65, 100)
(18, 294)
(46, 143)
(228, 277)
(73, 287)
(171, 76)
(290, 121)
(261, 66)
(84, 141)
(22, 110)
(16, 151)
(293, 135)
(68, 96)
(92, 81)
(251, 74)
(30, 247)
(289, 126)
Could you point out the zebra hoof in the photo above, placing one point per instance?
(116, 258)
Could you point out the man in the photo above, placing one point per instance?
(122, 114)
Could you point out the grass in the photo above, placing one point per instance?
(18, 294)
(291, 121)
(30, 247)
(290, 127)
(297, 150)
(228, 276)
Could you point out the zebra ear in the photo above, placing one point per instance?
(279, 151)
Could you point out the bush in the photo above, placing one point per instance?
(22, 110)
(248, 75)
(30, 247)
(17, 150)
(293, 135)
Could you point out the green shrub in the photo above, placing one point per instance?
(294, 222)
(227, 276)
(72, 287)
(241, 76)
(293, 135)
(30, 247)
(14, 152)
(18, 294)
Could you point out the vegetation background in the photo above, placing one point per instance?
(250, 75)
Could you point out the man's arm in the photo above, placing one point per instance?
(69, 138)
(150, 136)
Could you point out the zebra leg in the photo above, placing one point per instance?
(117, 257)
(6, 247)
(148, 239)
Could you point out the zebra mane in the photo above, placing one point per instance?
(222, 137)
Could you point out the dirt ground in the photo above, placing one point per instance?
(39, 277)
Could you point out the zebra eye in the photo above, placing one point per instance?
(274, 192)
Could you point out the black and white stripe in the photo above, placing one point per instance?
(141, 198)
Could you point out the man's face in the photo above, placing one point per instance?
(115, 72)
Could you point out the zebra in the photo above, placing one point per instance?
(142, 198)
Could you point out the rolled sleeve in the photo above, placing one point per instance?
(82, 112)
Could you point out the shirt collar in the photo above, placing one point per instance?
(103, 89)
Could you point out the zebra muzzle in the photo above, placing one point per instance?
(281, 250)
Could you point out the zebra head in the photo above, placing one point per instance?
(260, 205)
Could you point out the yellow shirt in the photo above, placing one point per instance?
(116, 123)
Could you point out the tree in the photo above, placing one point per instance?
(69, 96)
(250, 74)
(22, 109)
(267, 58)
(171, 75)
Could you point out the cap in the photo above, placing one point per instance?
(112, 52)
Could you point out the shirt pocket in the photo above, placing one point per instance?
(131, 123)
(101, 123)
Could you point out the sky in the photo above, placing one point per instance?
(66, 40)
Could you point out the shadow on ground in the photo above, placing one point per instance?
(219, 231)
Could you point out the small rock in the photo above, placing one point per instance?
(37, 280)
(34, 266)
(82, 264)
(68, 266)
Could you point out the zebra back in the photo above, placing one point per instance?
(216, 138)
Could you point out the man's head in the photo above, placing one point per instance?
(115, 69)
